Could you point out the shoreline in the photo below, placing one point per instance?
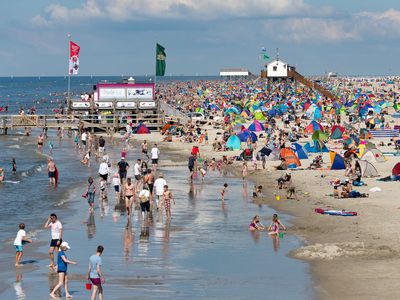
(344, 253)
(75, 230)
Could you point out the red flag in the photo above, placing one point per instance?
(73, 58)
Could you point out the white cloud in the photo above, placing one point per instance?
(356, 27)
(123, 10)
(383, 24)
(308, 29)
(56, 13)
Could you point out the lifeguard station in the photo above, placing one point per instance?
(280, 70)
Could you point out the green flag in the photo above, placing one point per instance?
(265, 57)
(160, 60)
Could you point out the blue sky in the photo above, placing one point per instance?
(200, 36)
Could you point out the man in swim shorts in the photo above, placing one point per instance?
(56, 236)
(51, 168)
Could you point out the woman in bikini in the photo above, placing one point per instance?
(167, 196)
(129, 194)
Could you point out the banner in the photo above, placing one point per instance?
(73, 58)
(160, 60)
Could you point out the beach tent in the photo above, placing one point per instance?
(373, 155)
(366, 169)
(258, 115)
(299, 150)
(312, 127)
(337, 132)
(245, 134)
(315, 147)
(291, 159)
(396, 170)
(256, 126)
(233, 143)
(142, 129)
(274, 155)
(337, 162)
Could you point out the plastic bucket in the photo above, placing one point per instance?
(280, 235)
(88, 286)
(277, 197)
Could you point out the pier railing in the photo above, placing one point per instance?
(107, 122)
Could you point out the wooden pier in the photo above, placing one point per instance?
(109, 123)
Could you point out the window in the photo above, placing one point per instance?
(275, 68)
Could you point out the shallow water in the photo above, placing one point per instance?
(205, 252)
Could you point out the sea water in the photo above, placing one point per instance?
(205, 252)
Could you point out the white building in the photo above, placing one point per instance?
(234, 72)
(277, 68)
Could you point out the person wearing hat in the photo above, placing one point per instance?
(123, 167)
(62, 265)
(159, 189)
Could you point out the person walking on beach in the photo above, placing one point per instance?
(90, 193)
(40, 141)
(155, 153)
(62, 266)
(167, 196)
(223, 191)
(191, 164)
(129, 195)
(56, 236)
(244, 170)
(148, 181)
(137, 173)
(95, 275)
(144, 198)
(104, 170)
(159, 189)
(116, 181)
(123, 167)
(19, 240)
(144, 150)
(51, 169)
(84, 139)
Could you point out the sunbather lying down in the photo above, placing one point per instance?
(353, 194)
(390, 178)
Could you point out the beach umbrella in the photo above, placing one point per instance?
(313, 126)
(256, 126)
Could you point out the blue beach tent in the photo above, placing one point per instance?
(233, 143)
(300, 152)
(337, 162)
(316, 147)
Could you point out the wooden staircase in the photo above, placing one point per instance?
(300, 78)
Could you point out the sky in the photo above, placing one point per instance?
(118, 37)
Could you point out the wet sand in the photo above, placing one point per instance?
(205, 252)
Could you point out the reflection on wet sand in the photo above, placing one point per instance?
(165, 240)
(275, 242)
(19, 290)
(53, 281)
(143, 246)
(91, 226)
(119, 209)
(128, 239)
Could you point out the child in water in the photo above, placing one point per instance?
(223, 191)
(256, 224)
(274, 227)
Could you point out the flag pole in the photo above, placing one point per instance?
(155, 85)
(69, 73)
